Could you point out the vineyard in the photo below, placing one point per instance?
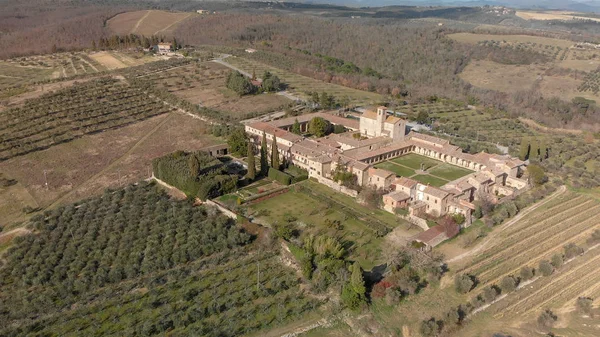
(569, 218)
(134, 262)
(302, 84)
(591, 83)
(64, 115)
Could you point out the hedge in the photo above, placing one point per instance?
(279, 176)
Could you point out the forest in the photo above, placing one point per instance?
(408, 61)
(135, 262)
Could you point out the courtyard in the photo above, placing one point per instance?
(435, 173)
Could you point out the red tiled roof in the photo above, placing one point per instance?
(431, 234)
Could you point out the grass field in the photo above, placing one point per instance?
(553, 15)
(501, 77)
(449, 172)
(204, 84)
(301, 84)
(437, 173)
(414, 161)
(147, 22)
(400, 171)
(429, 180)
(514, 78)
(88, 165)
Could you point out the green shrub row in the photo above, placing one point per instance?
(280, 177)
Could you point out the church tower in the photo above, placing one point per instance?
(381, 116)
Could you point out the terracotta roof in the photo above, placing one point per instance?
(381, 173)
(436, 192)
(279, 133)
(397, 196)
(350, 123)
(370, 114)
(365, 153)
(392, 119)
(431, 234)
(406, 182)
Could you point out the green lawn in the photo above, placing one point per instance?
(449, 172)
(431, 180)
(414, 161)
(401, 171)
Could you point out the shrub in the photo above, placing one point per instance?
(584, 305)
(572, 250)
(545, 268)
(526, 273)
(508, 284)
(463, 283)
(557, 260)
(430, 327)
(489, 294)
(279, 176)
(547, 319)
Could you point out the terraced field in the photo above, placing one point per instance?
(538, 237)
(574, 280)
(568, 218)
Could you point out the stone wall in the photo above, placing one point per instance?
(221, 208)
(332, 184)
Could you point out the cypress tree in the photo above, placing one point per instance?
(274, 154)
(534, 149)
(524, 149)
(543, 150)
(264, 163)
(356, 280)
(251, 164)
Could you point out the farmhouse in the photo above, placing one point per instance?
(164, 48)
(377, 137)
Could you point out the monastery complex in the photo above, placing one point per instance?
(379, 137)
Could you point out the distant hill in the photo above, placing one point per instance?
(580, 6)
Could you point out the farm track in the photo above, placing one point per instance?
(493, 252)
(172, 24)
(113, 164)
(542, 251)
(562, 206)
(137, 24)
(563, 287)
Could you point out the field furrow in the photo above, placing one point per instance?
(558, 288)
(532, 256)
(542, 230)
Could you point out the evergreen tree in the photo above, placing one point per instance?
(543, 150)
(534, 149)
(274, 154)
(264, 163)
(251, 164)
(524, 149)
(356, 280)
(296, 127)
